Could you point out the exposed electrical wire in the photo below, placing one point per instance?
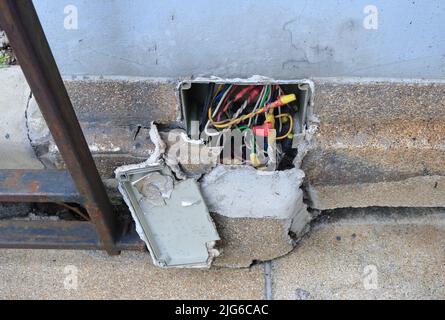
(264, 111)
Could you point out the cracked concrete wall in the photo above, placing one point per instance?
(379, 143)
(283, 39)
(372, 143)
(117, 139)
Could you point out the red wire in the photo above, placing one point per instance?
(225, 107)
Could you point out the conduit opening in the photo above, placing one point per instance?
(257, 123)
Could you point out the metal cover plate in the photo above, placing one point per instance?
(179, 233)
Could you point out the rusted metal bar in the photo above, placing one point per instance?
(19, 19)
(59, 235)
(38, 186)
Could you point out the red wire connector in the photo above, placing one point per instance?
(263, 130)
(281, 101)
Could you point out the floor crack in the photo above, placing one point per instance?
(34, 148)
(268, 295)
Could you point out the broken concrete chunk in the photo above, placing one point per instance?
(300, 222)
(244, 192)
(194, 156)
(245, 240)
(256, 212)
(37, 128)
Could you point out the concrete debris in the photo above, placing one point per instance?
(190, 202)
(244, 192)
(157, 154)
(193, 156)
(271, 199)
(37, 128)
(248, 240)
(160, 148)
(259, 214)
(304, 143)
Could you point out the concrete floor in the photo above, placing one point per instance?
(353, 254)
(15, 148)
(367, 254)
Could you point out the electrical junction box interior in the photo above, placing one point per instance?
(269, 116)
(255, 122)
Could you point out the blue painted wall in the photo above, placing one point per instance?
(239, 38)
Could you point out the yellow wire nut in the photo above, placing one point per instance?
(288, 98)
(272, 137)
(255, 160)
(271, 118)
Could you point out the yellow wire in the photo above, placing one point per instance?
(230, 122)
(291, 125)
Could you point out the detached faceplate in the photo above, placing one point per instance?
(171, 217)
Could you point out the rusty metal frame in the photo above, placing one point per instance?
(82, 183)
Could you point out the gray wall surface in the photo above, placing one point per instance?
(239, 38)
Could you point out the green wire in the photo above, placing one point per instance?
(266, 96)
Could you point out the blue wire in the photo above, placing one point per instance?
(221, 93)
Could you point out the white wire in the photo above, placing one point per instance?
(222, 100)
(210, 134)
(240, 110)
(263, 91)
(214, 134)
